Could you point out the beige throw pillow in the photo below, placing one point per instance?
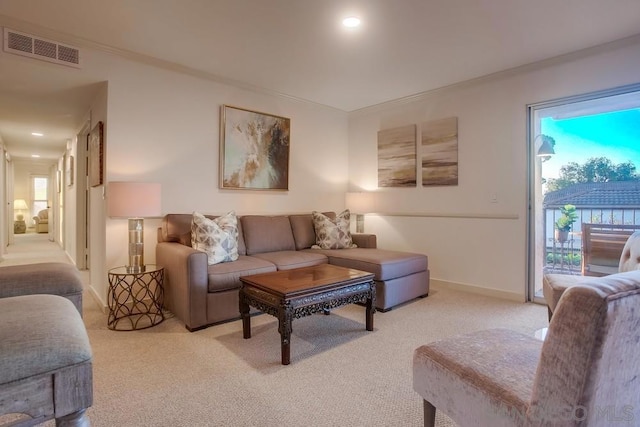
(332, 234)
(218, 237)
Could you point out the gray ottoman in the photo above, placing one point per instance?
(45, 360)
(54, 278)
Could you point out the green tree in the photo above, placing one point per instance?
(596, 169)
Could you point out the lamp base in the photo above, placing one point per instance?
(136, 268)
(359, 223)
(136, 246)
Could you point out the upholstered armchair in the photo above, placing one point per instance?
(554, 285)
(42, 221)
(584, 373)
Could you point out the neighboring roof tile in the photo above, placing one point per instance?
(596, 194)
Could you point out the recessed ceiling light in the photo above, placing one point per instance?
(351, 22)
(35, 155)
(37, 134)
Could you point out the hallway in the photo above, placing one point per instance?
(33, 248)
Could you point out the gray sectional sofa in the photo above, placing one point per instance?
(201, 295)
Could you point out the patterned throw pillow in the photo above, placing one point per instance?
(218, 237)
(332, 234)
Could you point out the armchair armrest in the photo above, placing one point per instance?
(185, 282)
(365, 240)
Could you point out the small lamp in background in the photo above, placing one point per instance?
(20, 205)
(359, 203)
(545, 151)
(134, 200)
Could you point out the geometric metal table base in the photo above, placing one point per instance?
(135, 299)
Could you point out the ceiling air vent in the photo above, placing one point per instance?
(39, 48)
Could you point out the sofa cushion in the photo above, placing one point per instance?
(226, 276)
(287, 260)
(303, 232)
(218, 237)
(332, 233)
(267, 233)
(385, 265)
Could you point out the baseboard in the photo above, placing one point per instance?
(495, 293)
(101, 305)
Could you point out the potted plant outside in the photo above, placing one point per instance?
(565, 222)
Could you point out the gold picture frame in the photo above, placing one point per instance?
(96, 143)
(254, 150)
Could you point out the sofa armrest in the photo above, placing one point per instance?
(365, 240)
(185, 282)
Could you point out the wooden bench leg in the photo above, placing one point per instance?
(75, 419)
(429, 414)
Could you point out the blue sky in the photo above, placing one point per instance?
(613, 135)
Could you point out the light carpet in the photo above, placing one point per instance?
(340, 374)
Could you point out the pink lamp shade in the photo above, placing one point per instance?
(133, 199)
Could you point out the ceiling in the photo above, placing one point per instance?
(299, 48)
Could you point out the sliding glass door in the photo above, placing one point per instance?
(584, 160)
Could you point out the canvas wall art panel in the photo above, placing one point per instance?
(397, 157)
(254, 150)
(440, 152)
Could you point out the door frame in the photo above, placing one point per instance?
(534, 261)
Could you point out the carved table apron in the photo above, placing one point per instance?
(291, 294)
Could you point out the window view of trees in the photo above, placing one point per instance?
(596, 169)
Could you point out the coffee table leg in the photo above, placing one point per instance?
(371, 308)
(246, 319)
(284, 327)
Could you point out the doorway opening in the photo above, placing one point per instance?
(584, 171)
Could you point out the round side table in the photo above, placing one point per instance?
(135, 299)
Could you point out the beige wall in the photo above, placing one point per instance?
(163, 126)
(477, 252)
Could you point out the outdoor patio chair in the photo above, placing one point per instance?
(554, 285)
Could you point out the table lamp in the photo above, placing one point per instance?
(134, 200)
(359, 203)
(19, 205)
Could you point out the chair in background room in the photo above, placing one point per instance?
(554, 285)
(584, 373)
(42, 221)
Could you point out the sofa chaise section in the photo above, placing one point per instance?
(399, 276)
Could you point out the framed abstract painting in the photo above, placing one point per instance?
(254, 150)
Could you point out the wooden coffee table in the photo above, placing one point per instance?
(291, 294)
